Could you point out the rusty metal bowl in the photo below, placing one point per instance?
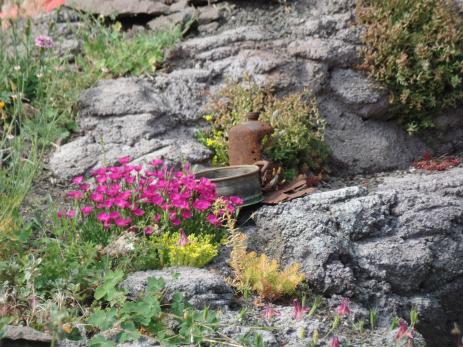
(238, 180)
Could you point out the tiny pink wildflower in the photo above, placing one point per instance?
(183, 241)
(343, 308)
(60, 214)
(335, 342)
(299, 310)
(43, 41)
(71, 214)
(403, 331)
(269, 312)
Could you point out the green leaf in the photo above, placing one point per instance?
(100, 341)
(103, 320)
(178, 304)
(156, 285)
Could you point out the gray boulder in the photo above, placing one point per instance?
(201, 288)
(137, 118)
(120, 7)
(398, 246)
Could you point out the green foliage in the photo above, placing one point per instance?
(415, 48)
(298, 139)
(126, 319)
(108, 51)
(373, 318)
(259, 274)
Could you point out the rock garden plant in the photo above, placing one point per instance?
(415, 48)
(298, 139)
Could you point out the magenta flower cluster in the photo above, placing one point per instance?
(125, 196)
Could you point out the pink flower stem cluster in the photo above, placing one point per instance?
(132, 197)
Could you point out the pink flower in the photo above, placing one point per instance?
(183, 241)
(156, 162)
(75, 194)
(86, 210)
(78, 179)
(213, 219)
(343, 308)
(403, 331)
(121, 203)
(123, 222)
(42, 41)
(97, 197)
(201, 205)
(269, 312)
(84, 187)
(104, 217)
(114, 215)
(101, 179)
(299, 311)
(138, 212)
(157, 218)
(335, 342)
(125, 160)
(71, 214)
(148, 231)
(236, 200)
(60, 214)
(186, 214)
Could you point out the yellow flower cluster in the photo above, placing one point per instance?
(198, 251)
(2, 105)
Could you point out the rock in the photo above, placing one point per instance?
(120, 7)
(201, 288)
(394, 247)
(335, 52)
(283, 330)
(355, 89)
(209, 14)
(181, 18)
(366, 146)
(133, 117)
(26, 335)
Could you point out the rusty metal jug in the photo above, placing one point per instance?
(245, 140)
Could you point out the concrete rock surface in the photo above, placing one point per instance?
(396, 247)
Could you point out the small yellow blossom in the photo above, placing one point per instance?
(208, 118)
(2, 105)
(210, 142)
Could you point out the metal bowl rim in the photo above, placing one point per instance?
(255, 169)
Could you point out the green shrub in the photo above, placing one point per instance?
(298, 139)
(415, 48)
